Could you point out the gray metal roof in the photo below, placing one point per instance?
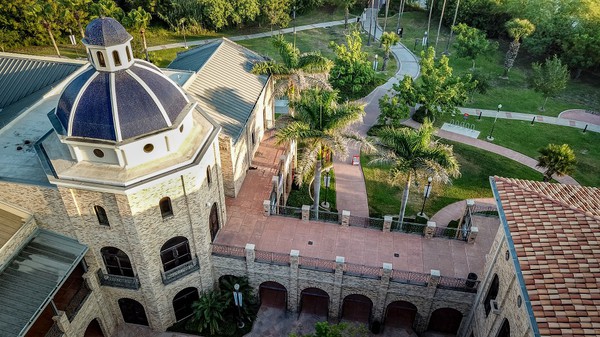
(224, 87)
(25, 79)
(30, 280)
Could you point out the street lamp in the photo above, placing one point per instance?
(294, 19)
(490, 138)
(426, 192)
(327, 181)
(237, 299)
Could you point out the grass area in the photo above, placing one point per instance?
(301, 196)
(525, 138)
(476, 167)
(514, 94)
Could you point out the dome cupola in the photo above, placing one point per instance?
(108, 45)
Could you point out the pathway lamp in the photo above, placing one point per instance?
(327, 181)
(294, 20)
(426, 192)
(237, 299)
(490, 137)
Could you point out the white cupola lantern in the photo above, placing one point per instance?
(108, 45)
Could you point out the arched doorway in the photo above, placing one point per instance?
(314, 301)
(93, 329)
(400, 314)
(214, 222)
(505, 329)
(182, 302)
(357, 308)
(133, 311)
(445, 320)
(273, 294)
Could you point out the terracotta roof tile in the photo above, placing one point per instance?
(555, 233)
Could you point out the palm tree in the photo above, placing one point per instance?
(517, 29)
(556, 159)
(139, 19)
(76, 11)
(208, 312)
(106, 8)
(414, 153)
(388, 39)
(46, 13)
(320, 123)
(297, 71)
(346, 4)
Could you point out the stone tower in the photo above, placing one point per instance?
(137, 167)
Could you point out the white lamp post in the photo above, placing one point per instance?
(426, 192)
(490, 137)
(237, 299)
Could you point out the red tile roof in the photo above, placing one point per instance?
(556, 233)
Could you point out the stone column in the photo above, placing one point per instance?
(293, 291)
(473, 234)
(429, 293)
(305, 212)
(345, 218)
(387, 223)
(62, 321)
(266, 207)
(430, 229)
(336, 300)
(382, 292)
(250, 256)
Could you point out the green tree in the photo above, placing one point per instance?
(517, 29)
(276, 12)
(549, 78)
(139, 19)
(216, 12)
(437, 90)
(297, 71)
(352, 71)
(346, 4)
(556, 159)
(244, 11)
(581, 49)
(45, 12)
(76, 12)
(319, 122)
(208, 312)
(8, 38)
(107, 8)
(412, 154)
(388, 40)
(471, 43)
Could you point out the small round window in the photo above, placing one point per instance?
(98, 153)
(181, 128)
(507, 255)
(148, 148)
(519, 301)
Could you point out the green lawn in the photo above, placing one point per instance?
(525, 138)
(476, 167)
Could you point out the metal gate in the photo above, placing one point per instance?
(314, 301)
(400, 314)
(273, 294)
(357, 308)
(445, 320)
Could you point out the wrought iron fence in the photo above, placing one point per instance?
(410, 277)
(362, 271)
(458, 284)
(325, 216)
(287, 211)
(484, 210)
(76, 302)
(272, 258)
(365, 222)
(118, 281)
(408, 227)
(316, 264)
(229, 251)
(180, 271)
(446, 232)
(54, 331)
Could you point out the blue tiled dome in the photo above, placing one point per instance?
(105, 32)
(121, 105)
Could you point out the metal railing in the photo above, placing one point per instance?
(288, 211)
(410, 277)
(365, 222)
(408, 227)
(314, 263)
(458, 284)
(118, 281)
(326, 216)
(54, 331)
(362, 271)
(484, 210)
(272, 258)
(180, 271)
(76, 302)
(229, 251)
(446, 232)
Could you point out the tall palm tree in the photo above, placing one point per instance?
(556, 159)
(517, 29)
(297, 71)
(139, 19)
(346, 4)
(46, 13)
(319, 122)
(107, 8)
(76, 11)
(388, 39)
(414, 153)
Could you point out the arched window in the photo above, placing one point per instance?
(166, 209)
(175, 252)
(133, 311)
(128, 53)
(116, 262)
(182, 303)
(101, 60)
(101, 215)
(505, 329)
(116, 58)
(214, 222)
(208, 175)
(491, 294)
